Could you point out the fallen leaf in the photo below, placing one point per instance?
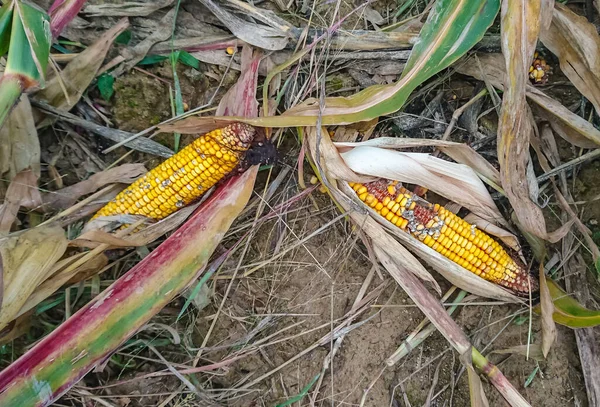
(27, 259)
(22, 191)
(63, 198)
(262, 36)
(58, 279)
(573, 128)
(547, 310)
(19, 144)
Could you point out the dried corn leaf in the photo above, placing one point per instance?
(27, 259)
(57, 278)
(571, 127)
(547, 309)
(576, 43)
(135, 54)
(22, 191)
(533, 351)
(520, 29)
(79, 73)
(19, 144)
(262, 36)
(126, 9)
(63, 198)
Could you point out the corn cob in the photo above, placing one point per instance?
(446, 233)
(539, 70)
(186, 176)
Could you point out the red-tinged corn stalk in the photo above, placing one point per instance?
(87, 338)
(62, 12)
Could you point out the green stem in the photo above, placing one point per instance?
(10, 91)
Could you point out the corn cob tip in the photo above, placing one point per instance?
(447, 234)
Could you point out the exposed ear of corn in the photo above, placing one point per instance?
(186, 176)
(446, 233)
(539, 70)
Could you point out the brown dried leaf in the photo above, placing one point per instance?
(27, 259)
(19, 144)
(22, 191)
(520, 29)
(547, 309)
(576, 43)
(79, 73)
(126, 173)
(477, 395)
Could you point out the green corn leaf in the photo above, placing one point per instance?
(568, 311)
(29, 43)
(6, 14)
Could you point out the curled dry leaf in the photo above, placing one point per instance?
(19, 144)
(520, 28)
(547, 309)
(135, 54)
(79, 73)
(22, 191)
(63, 198)
(93, 237)
(27, 260)
(576, 43)
(573, 128)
